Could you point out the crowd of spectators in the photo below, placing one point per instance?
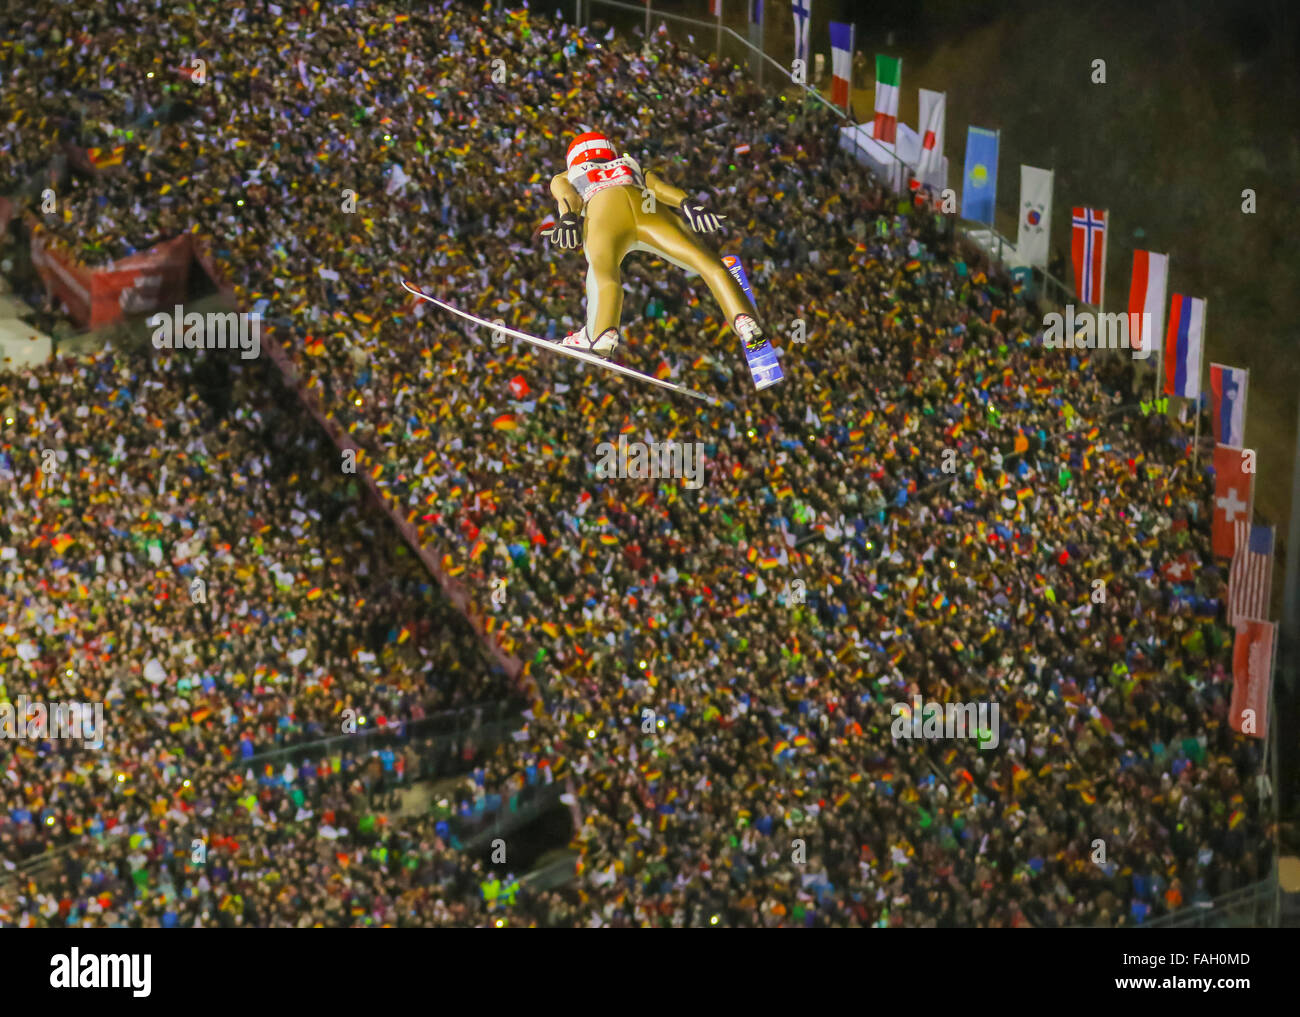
(928, 505)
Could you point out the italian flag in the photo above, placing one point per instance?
(888, 76)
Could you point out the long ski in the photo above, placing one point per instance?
(585, 357)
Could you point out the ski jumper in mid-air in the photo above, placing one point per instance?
(609, 208)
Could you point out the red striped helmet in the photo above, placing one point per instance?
(588, 146)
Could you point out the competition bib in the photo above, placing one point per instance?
(588, 180)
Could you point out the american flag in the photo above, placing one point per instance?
(1250, 577)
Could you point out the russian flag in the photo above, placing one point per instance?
(1228, 404)
(1183, 346)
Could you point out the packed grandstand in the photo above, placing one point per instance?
(827, 568)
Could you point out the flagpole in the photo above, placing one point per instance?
(1275, 778)
(1101, 293)
(1244, 396)
(1196, 450)
(994, 213)
(1160, 357)
(848, 102)
(719, 45)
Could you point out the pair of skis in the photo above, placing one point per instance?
(568, 351)
(761, 359)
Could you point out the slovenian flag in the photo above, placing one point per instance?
(1183, 342)
(841, 63)
(889, 72)
(1228, 404)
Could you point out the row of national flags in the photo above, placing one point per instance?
(1248, 547)
(841, 43)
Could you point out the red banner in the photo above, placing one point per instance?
(1233, 488)
(65, 280)
(1252, 675)
(144, 282)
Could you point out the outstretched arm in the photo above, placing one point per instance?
(700, 218)
(664, 191)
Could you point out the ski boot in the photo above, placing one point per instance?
(605, 344)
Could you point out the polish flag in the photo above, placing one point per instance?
(1146, 295)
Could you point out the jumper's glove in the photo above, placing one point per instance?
(567, 233)
(700, 218)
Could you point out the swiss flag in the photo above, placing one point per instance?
(1181, 569)
(519, 386)
(1233, 490)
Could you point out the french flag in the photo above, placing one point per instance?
(1228, 404)
(841, 62)
(1183, 342)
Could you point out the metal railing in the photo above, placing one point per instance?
(474, 832)
(1257, 906)
(439, 728)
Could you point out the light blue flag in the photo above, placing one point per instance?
(980, 183)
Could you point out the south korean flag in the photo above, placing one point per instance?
(1035, 216)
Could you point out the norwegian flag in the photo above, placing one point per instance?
(1233, 490)
(1088, 247)
(1250, 577)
